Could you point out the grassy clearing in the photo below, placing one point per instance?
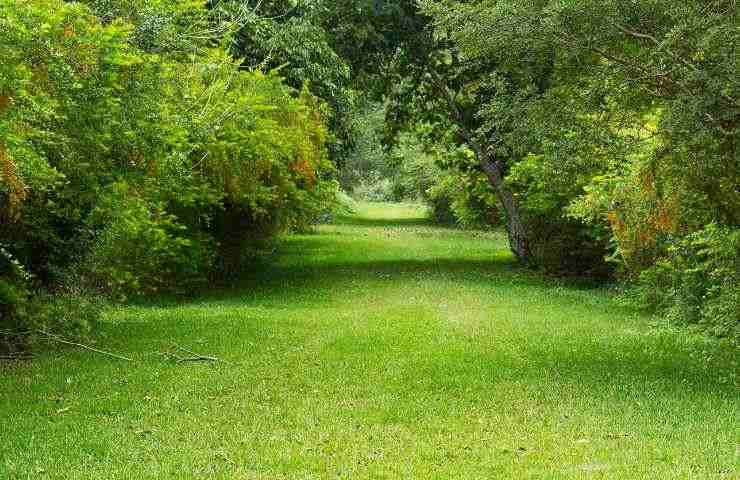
(379, 348)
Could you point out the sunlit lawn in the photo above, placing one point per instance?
(379, 347)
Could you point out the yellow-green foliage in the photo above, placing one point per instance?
(134, 151)
(256, 142)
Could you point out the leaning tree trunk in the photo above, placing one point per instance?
(518, 238)
(517, 233)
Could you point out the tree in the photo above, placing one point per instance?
(392, 50)
(608, 82)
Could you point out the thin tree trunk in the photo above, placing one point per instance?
(517, 233)
(518, 239)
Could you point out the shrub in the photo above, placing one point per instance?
(698, 281)
(444, 178)
(558, 243)
(465, 200)
(142, 249)
(16, 309)
(27, 312)
(130, 167)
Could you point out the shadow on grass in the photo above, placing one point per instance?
(610, 367)
(621, 366)
(295, 275)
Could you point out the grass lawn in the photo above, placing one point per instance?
(379, 347)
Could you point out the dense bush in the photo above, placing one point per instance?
(615, 124)
(141, 248)
(28, 312)
(558, 243)
(438, 174)
(139, 157)
(16, 308)
(463, 200)
(698, 281)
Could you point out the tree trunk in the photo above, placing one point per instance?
(518, 238)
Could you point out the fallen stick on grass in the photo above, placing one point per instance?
(54, 338)
(16, 357)
(196, 357)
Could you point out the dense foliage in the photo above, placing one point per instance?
(140, 157)
(607, 132)
(149, 145)
(622, 121)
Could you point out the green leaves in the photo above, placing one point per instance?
(136, 155)
(696, 281)
(594, 89)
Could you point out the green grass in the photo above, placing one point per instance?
(380, 347)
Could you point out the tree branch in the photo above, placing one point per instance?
(55, 338)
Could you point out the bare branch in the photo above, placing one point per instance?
(55, 338)
(197, 357)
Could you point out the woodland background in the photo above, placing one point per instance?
(151, 147)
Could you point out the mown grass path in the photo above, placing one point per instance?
(379, 348)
